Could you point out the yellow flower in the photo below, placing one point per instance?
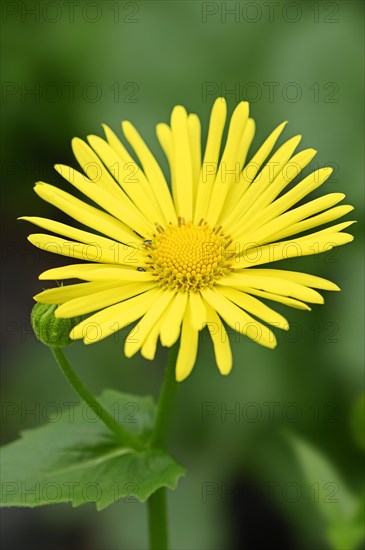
(187, 259)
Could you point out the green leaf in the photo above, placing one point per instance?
(340, 508)
(77, 460)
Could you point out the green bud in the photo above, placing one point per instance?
(50, 330)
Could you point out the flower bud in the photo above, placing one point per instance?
(50, 330)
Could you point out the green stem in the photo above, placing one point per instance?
(165, 400)
(157, 520)
(123, 437)
(157, 503)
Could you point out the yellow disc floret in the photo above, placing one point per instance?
(188, 257)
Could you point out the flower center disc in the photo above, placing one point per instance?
(189, 257)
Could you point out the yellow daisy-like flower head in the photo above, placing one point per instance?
(189, 258)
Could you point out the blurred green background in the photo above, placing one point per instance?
(66, 68)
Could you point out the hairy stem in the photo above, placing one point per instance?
(122, 435)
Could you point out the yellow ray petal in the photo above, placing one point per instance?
(148, 350)
(253, 167)
(211, 157)
(117, 145)
(100, 300)
(316, 243)
(171, 322)
(230, 166)
(96, 272)
(328, 231)
(254, 306)
(62, 294)
(222, 347)
(164, 136)
(238, 319)
(188, 348)
(94, 168)
(320, 219)
(297, 277)
(153, 172)
(248, 220)
(91, 252)
(114, 318)
(113, 273)
(194, 131)
(280, 299)
(183, 168)
(291, 169)
(245, 280)
(268, 174)
(121, 207)
(134, 174)
(89, 216)
(246, 140)
(302, 189)
(236, 187)
(198, 311)
(251, 170)
(146, 324)
(271, 171)
(130, 178)
(271, 225)
(115, 252)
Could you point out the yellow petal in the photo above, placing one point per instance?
(148, 350)
(113, 273)
(121, 207)
(246, 140)
(254, 306)
(188, 348)
(320, 219)
(197, 310)
(229, 167)
(254, 216)
(146, 324)
(110, 251)
(280, 299)
(96, 272)
(267, 176)
(236, 189)
(163, 132)
(297, 277)
(182, 162)
(245, 280)
(114, 318)
(253, 167)
(134, 178)
(89, 216)
(211, 157)
(100, 300)
(316, 243)
(250, 172)
(272, 224)
(90, 252)
(194, 131)
(62, 294)
(94, 168)
(239, 320)
(153, 172)
(130, 178)
(117, 145)
(222, 347)
(171, 322)
(164, 136)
